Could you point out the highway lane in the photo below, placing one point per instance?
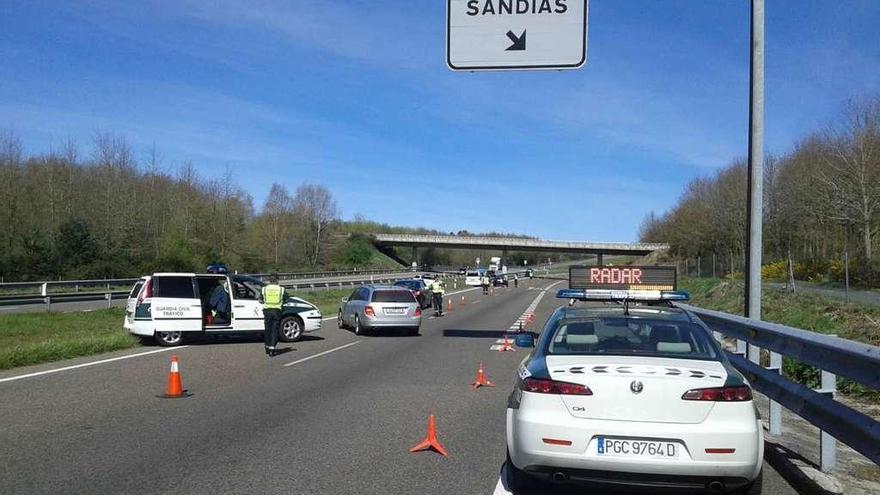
(340, 422)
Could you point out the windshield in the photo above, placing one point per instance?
(631, 336)
(409, 284)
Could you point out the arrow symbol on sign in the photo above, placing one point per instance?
(519, 43)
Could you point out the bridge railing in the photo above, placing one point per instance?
(514, 242)
(832, 355)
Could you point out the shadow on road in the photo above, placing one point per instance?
(474, 334)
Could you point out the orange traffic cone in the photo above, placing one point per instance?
(481, 380)
(505, 346)
(174, 389)
(449, 306)
(463, 301)
(430, 442)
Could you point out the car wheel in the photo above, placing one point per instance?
(358, 330)
(169, 339)
(756, 487)
(339, 323)
(517, 480)
(291, 329)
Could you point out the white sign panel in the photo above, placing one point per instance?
(516, 34)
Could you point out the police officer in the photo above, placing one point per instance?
(272, 297)
(437, 292)
(484, 280)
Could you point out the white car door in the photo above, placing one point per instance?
(175, 304)
(247, 311)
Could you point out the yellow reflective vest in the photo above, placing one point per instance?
(273, 296)
(437, 287)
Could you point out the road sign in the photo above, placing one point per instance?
(516, 34)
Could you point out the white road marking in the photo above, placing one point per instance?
(500, 488)
(524, 318)
(92, 363)
(478, 301)
(323, 353)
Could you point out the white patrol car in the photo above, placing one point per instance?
(172, 306)
(623, 388)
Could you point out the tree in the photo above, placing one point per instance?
(75, 245)
(852, 173)
(315, 205)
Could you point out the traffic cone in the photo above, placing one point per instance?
(449, 306)
(463, 301)
(505, 346)
(174, 389)
(481, 380)
(430, 442)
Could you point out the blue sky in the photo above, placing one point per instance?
(356, 96)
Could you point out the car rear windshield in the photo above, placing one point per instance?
(409, 284)
(631, 336)
(393, 296)
(473, 274)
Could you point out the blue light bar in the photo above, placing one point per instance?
(622, 295)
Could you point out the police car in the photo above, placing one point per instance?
(624, 388)
(171, 307)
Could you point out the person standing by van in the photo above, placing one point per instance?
(484, 281)
(272, 297)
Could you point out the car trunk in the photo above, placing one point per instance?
(614, 381)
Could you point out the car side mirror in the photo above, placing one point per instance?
(525, 340)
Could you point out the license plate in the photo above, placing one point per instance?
(636, 448)
(395, 311)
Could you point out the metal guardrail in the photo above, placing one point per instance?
(832, 355)
(110, 295)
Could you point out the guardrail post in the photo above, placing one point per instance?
(48, 300)
(775, 407)
(109, 300)
(827, 443)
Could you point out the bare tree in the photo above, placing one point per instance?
(315, 204)
(852, 172)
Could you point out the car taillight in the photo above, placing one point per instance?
(540, 386)
(719, 394)
(418, 311)
(146, 292)
(368, 311)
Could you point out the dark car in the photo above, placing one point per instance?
(498, 279)
(419, 289)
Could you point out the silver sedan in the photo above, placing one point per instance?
(370, 308)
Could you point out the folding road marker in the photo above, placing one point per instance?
(430, 442)
(481, 380)
(505, 346)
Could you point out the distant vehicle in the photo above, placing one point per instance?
(462, 270)
(370, 308)
(499, 279)
(216, 268)
(472, 277)
(419, 289)
(495, 264)
(628, 390)
(529, 273)
(172, 307)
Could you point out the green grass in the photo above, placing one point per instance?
(328, 301)
(34, 338)
(852, 321)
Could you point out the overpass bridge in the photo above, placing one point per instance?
(505, 244)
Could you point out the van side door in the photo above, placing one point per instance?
(176, 306)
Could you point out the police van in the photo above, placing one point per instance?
(172, 307)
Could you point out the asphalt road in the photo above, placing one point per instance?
(337, 414)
